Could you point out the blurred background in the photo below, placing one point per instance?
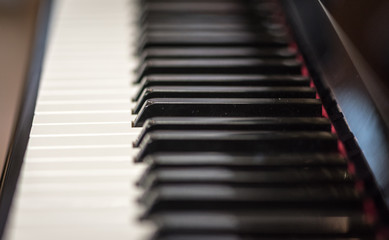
(365, 23)
(17, 24)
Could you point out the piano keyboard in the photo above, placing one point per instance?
(181, 120)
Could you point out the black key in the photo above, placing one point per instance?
(194, 7)
(243, 161)
(264, 40)
(265, 225)
(196, 18)
(201, 13)
(182, 26)
(222, 80)
(237, 141)
(159, 1)
(211, 35)
(228, 107)
(246, 178)
(177, 53)
(222, 92)
(210, 236)
(192, 16)
(213, 197)
(219, 66)
(193, 26)
(248, 123)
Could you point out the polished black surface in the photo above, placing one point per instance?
(222, 197)
(244, 161)
(237, 142)
(221, 80)
(287, 177)
(216, 66)
(260, 224)
(222, 92)
(238, 123)
(327, 53)
(228, 107)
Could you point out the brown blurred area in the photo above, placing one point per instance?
(366, 24)
(17, 26)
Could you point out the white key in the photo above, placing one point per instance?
(78, 176)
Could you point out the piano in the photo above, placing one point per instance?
(189, 120)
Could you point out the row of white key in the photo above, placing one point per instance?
(77, 180)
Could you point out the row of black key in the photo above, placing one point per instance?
(233, 135)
